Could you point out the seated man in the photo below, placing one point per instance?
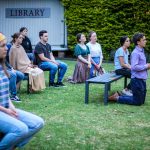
(14, 78)
(46, 61)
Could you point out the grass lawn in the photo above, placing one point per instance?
(72, 125)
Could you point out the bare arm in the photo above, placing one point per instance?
(12, 58)
(100, 63)
(121, 59)
(88, 62)
(43, 58)
(83, 59)
(10, 111)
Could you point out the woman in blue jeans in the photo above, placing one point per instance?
(18, 126)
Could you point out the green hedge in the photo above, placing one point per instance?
(111, 19)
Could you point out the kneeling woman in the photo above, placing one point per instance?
(16, 125)
(20, 61)
(82, 68)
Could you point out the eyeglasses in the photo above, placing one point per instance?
(2, 46)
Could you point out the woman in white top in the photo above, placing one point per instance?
(96, 53)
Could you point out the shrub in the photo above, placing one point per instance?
(110, 19)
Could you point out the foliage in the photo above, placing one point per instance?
(72, 125)
(110, 19)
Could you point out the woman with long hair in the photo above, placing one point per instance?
(20, 61)
(83, 65)
(96, 55)
(16, 125)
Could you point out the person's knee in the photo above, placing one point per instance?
(65, 66)
(138, 103)
(13, 75)
(40, 123)
(21, 130)
(54, 69)
(21, 76)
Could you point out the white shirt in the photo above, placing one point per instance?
(95, 50)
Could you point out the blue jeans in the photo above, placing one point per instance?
(138, 87)
(14, 78)
(30, 56)
(62, 68)
(97, 61)
(18, 132)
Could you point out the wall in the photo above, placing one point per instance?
(54, 24)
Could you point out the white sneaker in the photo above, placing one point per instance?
(127, 92)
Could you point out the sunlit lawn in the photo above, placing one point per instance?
(72, 125)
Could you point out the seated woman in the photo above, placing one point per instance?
(83, 65)
(96, 55)
(122, 67)
(17, 126)
(20, 61)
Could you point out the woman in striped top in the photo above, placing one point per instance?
(17, 126)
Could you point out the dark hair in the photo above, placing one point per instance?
(15, 36)
(137, 37)
(78, 36)
(123, 39)
(90, 34)
(23, 28)
(42, 32)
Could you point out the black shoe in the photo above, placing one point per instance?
(60, 84)
(53, 84)
(15, 98)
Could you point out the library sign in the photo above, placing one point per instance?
(27, 12)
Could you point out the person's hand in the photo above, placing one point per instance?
(30, 65)
(55, 62)
(98, 66)
(13, 70)
(12, 112)
(89, 64)
(35, 66)
(128, 66)
(148, 64)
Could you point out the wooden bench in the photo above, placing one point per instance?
(105, 79)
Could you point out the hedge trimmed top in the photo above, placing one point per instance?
(109, 19)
